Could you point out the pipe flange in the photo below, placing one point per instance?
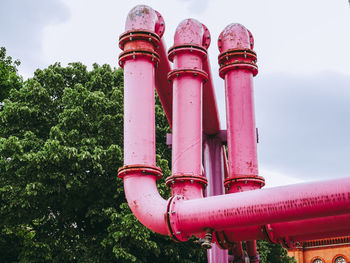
(222, 240)
(243, 55)
(144, 35)
(258, 180)
(199, 179)
(195, 49)
(206, 37)
(251, 39)
(160, 25)
(133, 54)
(172, 220)
(238, 65)
(192, 72)
(141, 169)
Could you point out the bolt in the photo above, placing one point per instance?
(208, 37)
(178, 233)
(196, 74)
(130, 38)
(149, 39)
(162, 24)
(173, 182)
(133, 56)
(173, 212)
(191, 181)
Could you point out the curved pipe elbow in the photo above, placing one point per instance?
(145, 202)
(235, 36)
(143, 17)
(191, 31)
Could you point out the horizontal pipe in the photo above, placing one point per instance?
(299, 230)
(144, 27)
(265, 206)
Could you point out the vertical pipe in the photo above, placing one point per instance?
(213, 167)
(139, 172)
(237, 68)
(139, 140)
(187, 77)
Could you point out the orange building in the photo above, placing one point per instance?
(330, 250)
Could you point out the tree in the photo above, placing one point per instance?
(61, 141)
(8, 74)
(273, 253)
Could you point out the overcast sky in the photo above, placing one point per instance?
(302, 91)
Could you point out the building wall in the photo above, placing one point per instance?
(328, 253)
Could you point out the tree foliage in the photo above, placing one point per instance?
(61, 143)
(8, 74)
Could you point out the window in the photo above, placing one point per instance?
(317, 260)
(340, 260)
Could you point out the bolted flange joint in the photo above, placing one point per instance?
(199, 179)
(188, 72)
(237, 59)
(140, 169)
(138, 44)
(190, 48)
(172, 221)
(241, 181)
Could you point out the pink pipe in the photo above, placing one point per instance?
(211, 120)
(264, 206)
(187, 77)
(184, 217)
(293, 230)
(139, 108)
(139, 171)
(241, 130)
(213, 167)
(163, 86)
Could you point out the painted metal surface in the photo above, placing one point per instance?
(289, 233)
(288, 213)
(265, 206)
(235, 45)
(187, 79)
(139, 172)
(213, 167)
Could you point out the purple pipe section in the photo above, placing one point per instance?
(213, 167)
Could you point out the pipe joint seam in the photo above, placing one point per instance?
(140, 168)
(144, 35)
(191, 49)
(199, 179)
(255, 180)
(188, 72)
(134, 54)
(238, 65)
(237, 54)
(172, 222)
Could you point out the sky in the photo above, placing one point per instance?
(302, 91)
